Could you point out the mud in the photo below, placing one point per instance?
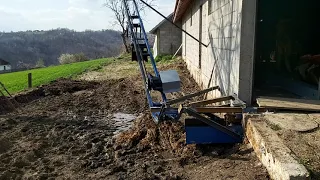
(73, 130)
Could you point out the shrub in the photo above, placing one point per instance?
(80, 57)
(40, 63)
(72, 58)
(66, 59)
(163, 58)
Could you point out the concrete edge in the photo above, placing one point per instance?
(278, 159)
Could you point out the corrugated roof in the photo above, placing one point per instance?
(180, 9)
(3, 62)
(154, 30)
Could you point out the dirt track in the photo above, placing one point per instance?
(66, 131)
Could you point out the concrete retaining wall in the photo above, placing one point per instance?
(279, 160)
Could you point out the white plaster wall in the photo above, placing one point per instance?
(5, 67)
(155, 47)
(221, 30)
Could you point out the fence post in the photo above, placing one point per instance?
(30, 80)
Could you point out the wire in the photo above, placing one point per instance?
(173, 23)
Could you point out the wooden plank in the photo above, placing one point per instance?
(289, 103)
(211, 101)
(224, 105)
(158, 109)
(218, 109)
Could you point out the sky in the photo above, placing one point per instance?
(80, 15)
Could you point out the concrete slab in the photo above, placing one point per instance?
(293, 121)
(274, 155)
(315, 117)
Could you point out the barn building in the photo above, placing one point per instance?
(253, 48)
(4, 65)
(168, 38)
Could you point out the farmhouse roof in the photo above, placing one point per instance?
(180, 8)
(154, 30)
(3, 62)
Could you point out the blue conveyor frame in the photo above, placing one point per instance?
(162, 110)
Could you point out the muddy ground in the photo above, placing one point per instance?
(72, 129)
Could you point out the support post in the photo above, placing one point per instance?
(5, 89)
(177, 51)
(29, 80)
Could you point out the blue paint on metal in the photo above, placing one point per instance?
(210, 135)
(153, 62)
(194, 134)
(146, 39)
(138, 50)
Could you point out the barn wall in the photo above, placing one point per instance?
(170, 38)
(220, 61)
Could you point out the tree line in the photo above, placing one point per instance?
(43, 48)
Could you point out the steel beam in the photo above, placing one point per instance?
(175, 101)
(218, 109)
(211, 101)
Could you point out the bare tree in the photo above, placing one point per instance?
(117, 7)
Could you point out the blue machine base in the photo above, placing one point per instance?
(202, 134)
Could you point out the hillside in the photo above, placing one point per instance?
(17, 81)
(26, 48)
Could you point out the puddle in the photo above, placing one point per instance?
(122, 122)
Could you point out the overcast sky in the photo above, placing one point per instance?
(21, 15)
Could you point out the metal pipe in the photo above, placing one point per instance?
(205, 45)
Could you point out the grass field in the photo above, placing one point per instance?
(18, 81)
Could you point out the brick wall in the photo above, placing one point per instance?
(221, 30)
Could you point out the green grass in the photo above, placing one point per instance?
(18, 81)
(160, 58)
